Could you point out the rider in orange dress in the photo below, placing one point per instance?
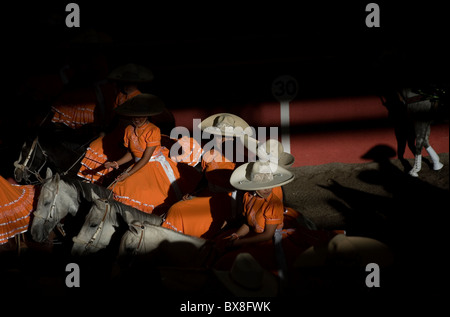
(206, 213)
(270, 231)
(16, 204)
(92, 168)
(151, 183)
(106, 147)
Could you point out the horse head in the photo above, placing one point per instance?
(32, 159)
(56, 200)
(98, 228)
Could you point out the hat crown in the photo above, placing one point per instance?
(132, 72)
(262, 172)
(141, 105)
(246, 272)
(271, 150)
(224, 121)
(225, 124)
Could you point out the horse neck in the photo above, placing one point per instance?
(85, 189)
(130, 214)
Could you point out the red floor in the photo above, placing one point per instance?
(329, 130)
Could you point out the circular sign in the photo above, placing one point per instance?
(284, 88)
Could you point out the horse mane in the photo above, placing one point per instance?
(86, 188)
(138, 215)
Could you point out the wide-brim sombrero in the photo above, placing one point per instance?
(284, 159)
(242, 178)
(235, 125)
(132, 73)
(141, 105)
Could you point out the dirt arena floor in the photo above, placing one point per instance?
(360, 197)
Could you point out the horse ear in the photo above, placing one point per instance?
(49, 173)
(94, 195)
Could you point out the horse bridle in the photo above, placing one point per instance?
(141, 242)
(31, 155)
(52, 207)
(97, 232)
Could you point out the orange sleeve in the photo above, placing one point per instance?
(153, 137)
(278, 191)
(126, 140)
(274, 212)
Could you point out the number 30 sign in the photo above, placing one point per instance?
(284, 89)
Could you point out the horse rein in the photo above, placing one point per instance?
(59, 225)
(23, 167)
(141, 238)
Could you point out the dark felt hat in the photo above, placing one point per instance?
(131, 73)
(140, 106)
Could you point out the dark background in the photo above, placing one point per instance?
(222, 51)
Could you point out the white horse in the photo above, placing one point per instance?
(166, 246)
(60, 196)
(102, 222)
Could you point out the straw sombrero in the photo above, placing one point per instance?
(248, 279)
(131, 73)
(140, 106)
(271, 150)
(225, 124)
(260, 175)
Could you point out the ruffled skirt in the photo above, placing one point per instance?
(16, 205)
(155, 185)
(74, 116)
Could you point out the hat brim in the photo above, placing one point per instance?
(286, 160)
(207, 125)
(240, 178)
(268, 289)
(142, 105)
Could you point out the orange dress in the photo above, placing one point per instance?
(155, 185)
(16, 204)
(261, 211)
(295, 238)
(205, 214)
(77, 107)
(191, 151)
(104, 148)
